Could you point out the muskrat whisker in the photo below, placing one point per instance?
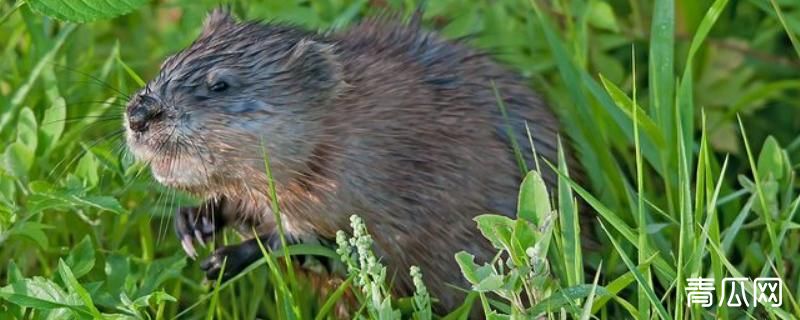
(80, 154)
(199, 155)
(103, 126)
(166, 143)
(76, 119)
(96, 79)
(116, 94)
(110, 102)
(125, 154)
(166, 217)
(160, 221)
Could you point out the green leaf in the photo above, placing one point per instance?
(159, 271)
(153, 298)
(14, 275)
(467, 264)
(86, 169)
(117, 270)
(8, 191)
(61, 199)
(534, 201)
(18, 159)
(483, 278)
(524, 235)
(85, 10)
(26, 129)
(489, 283)
(46, 197)
(106, 203)
(33, 231)
(13, 272)
(493, 315)
(39, 293)
(601, 16)
(75, 287)
(770, 160)
(53, 123)
(81, 257)
(385, 310)
(496, 228)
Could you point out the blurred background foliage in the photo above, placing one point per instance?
(68, 191)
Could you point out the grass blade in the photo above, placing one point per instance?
(643, 283)
(789, 33)
(766, 213)
(662, 51)
(587, 307)
(333, 299)
(644, 246)
(570, 225)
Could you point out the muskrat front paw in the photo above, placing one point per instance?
(235, 258)
(197, 223)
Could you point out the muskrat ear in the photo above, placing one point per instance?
(218, 19)
(316, 63)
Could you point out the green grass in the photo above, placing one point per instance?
(683, 114)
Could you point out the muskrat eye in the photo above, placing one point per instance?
(218, 86)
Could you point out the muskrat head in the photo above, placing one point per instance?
(240, 90)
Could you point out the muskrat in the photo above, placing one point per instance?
(383, 120)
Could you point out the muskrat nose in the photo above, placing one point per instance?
(141, 111)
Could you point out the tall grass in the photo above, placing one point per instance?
(682, 114)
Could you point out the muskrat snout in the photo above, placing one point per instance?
(142, 110)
